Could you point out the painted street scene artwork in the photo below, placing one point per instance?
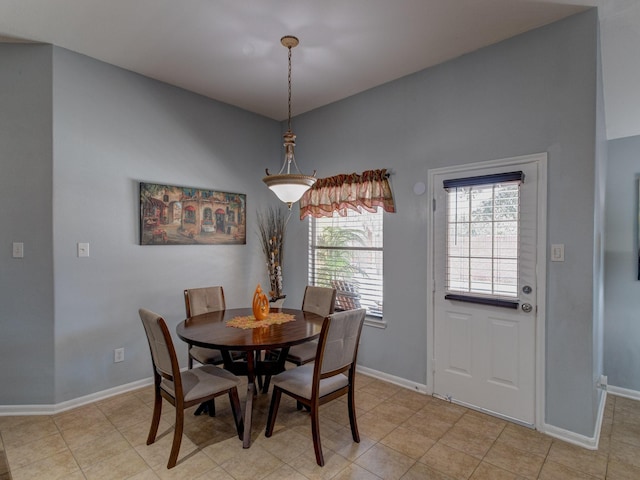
(172, 215)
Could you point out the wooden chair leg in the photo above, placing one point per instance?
(267, 381)
(273, 411)
(155, 420)
(211, 407)
(237, 411)
(315, 433)
(351, 404)
(177, 436)
(208, 407)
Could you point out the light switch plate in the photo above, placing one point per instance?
(18, 250)
(83, 249)
(557, 252)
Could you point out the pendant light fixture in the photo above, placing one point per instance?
(289, 187)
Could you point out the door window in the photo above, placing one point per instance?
(483, 215)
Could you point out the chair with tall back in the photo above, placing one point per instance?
(319, 300)
(182, 389)
(196, 302)
(331, 376)
(203, 300)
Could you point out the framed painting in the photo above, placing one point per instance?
(173, 215)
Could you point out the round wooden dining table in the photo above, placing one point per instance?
(210, 330)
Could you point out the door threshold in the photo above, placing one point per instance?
(450, 399)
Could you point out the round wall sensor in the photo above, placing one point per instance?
(419, 188)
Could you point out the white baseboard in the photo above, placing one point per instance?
(590, 443)
(401, 382)
(15, 410)
(11, 410)
(623, 392)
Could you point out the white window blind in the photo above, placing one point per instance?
(483, 239)
(346, 253)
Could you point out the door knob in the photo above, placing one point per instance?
(526, 307)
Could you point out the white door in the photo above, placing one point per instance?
(485, 293)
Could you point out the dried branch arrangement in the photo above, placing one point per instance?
(272, 223)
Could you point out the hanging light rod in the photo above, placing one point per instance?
(289, 187)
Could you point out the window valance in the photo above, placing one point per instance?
(358, 192)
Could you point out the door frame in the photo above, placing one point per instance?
(541, 270)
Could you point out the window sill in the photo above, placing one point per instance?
(375, 322)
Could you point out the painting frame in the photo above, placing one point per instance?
(179, 215)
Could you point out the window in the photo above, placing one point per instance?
(483, 237)
(345, 253)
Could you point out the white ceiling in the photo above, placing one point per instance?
(230, 50)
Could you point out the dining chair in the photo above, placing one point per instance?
(318, 300)
(196, 302)
(183, 389)
(331, 376)
(203, 300)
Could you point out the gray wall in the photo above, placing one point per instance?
(533, 93)
(622, 288)
(111, 129)
(26, 284)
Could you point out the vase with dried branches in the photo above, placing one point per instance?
(272, 223)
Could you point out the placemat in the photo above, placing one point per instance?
(250, 321)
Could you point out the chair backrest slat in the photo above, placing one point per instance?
(339, 344)
(203, 300)
(319, 300)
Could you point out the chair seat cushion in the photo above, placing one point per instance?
(299, 381)
(205, 355)
(202, 381)
(303, 353)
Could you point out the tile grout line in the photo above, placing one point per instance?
(613, 418)
(488, 449)
(3, 458)
(52, 417)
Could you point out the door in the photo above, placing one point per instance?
(485, 292)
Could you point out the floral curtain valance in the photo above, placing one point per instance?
(365, 191)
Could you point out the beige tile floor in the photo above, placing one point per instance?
(404, 435)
